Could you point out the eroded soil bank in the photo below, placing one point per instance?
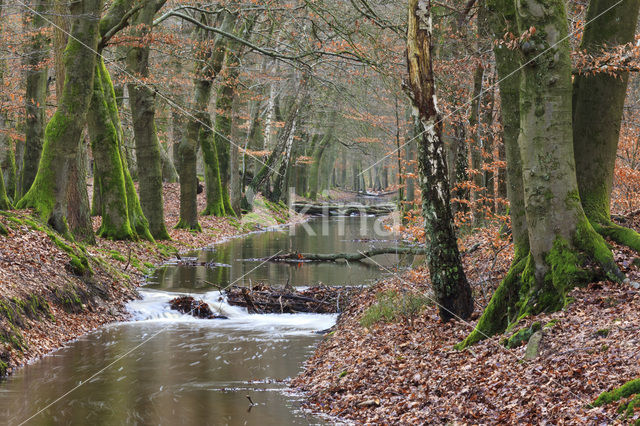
(374, 368)
(53, 290)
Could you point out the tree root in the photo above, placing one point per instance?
(499, 313)
(619, 234)
(520, 294)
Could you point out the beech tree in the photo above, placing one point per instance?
(49, 193)
(142, 101)
(555, 242)
(598, 102)
(36, 93)
(122, 215)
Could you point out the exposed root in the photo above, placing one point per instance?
(619, 234)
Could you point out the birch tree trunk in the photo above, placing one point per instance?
(449, 282)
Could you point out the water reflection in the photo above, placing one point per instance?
(320, 235)
(191, 373)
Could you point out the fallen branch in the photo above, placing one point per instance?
(295, 257)
(197, 308)
(343, 209)
(263, 299)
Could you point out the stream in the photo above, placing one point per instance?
(163, 367)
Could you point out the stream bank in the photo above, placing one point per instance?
(163, 366)
(395, 363)
(54, 290)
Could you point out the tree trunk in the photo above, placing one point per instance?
(452, 291)
(78, 213)
(560, 238)
(6, 150)
(48, 194)
(223, 121)
(142, 103)
(235, 162)
(36, 95)
(169, 172)
(268, 168)
(500, 311)
(111, 177)
(203, 133)
(597, 115)
(318, 151)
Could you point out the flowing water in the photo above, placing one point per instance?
(166, 368)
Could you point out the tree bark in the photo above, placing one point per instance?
(111, 174)
(48, 194)
(6, 149)
(268, 168)
(204, 134)
(598, 102)
(560, 238)
(36, 95)
(223, 122)
(451, 289)
(142, 103)
(500, 311)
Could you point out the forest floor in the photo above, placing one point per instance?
(53, 290)
(405, 370)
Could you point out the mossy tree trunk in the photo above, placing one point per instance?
(598, 102)
(200, 132)
(109, 176)
(5, 204)
(142, 103)
(449, 282)
(78, 213)
(553, 257)
(500, 311)
(5, 148)
(48, 194)
(222, 126)
(115, 195)
(8, 159)
(36, 94)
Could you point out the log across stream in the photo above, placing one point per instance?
(326, 209)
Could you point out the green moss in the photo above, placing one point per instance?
(184, 225)
(116, 255)
(603, 332)
(551, 324)
(625, 391)
(70, 297)
(16, 310)
(501, 310)
(166, 250)
(592, 243)
(522, 336)
(13, 337)
(617, 233)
